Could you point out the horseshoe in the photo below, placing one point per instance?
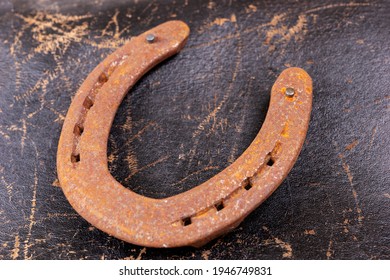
(198, 215)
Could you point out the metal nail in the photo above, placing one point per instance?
(290, 92)
(150, 38)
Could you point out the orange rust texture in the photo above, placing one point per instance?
(202, 213)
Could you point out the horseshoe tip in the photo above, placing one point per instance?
(184, 29)
(180, 24)
(297, 73)
(178, 27)
(294, 74)
(175, 31)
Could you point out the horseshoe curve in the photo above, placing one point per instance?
(198, 215)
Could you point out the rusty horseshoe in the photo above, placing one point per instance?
(202, 213)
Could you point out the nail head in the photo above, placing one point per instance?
(290, 92)
(150, 38)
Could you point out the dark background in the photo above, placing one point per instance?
(196, 113)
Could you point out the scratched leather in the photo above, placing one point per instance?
(193, 115)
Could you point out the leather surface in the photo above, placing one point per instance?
(196, 113)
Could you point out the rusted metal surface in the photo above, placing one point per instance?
(202, 213)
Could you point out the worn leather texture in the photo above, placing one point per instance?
(194, 114)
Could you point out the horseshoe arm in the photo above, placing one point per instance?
(202, 213)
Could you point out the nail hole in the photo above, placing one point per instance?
(219, 206)
(78, 129)
(269, 160)
(248, 186)
(88, 103)
(186, 221)
(75, 158)
(102, 78)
